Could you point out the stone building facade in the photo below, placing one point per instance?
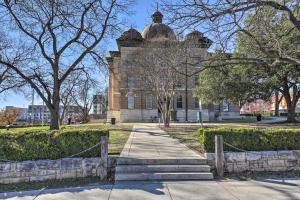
(128, 101)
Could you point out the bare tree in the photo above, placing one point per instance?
(154, 68)
(47, 41)
(269, 31)
(68, 88)
(82, 95)
(9, 116)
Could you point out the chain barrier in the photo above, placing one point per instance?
(71, 156)
(239, 149)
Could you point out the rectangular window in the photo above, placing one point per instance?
(225, 106)
(149, 102)
(196, 102)
(130, 99)
(179, 102)
(130, 82)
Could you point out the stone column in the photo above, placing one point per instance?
(219, 155)
(102, 169)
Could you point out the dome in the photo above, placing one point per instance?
(131, 34)
(197, 38)
(157, 29)
(194, 35)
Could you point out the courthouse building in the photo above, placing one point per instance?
(127, 101)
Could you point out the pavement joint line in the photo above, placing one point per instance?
(39, 193)
(131, 141)
(133, 134)
(169, 191)
(228, 190)
(111, 189)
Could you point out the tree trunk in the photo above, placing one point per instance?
(167, 118)
(291, 108)
(291, 117)
(167, 122)
(54, 124)
(276, 103)
(86, 117)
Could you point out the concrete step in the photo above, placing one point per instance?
(164, 176)
(166, 161)
(161, 168)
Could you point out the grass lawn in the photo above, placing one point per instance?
(118, 135)
(117, 138)
(186, 135)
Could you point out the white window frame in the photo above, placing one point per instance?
(130, 82)
(149, 102)
(180, 96)
(130, 101)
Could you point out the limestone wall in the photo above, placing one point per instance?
(134, 115)
(40, 170)
(259, 161)
(192, 115)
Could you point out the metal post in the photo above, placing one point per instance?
(186, 92)
(201, 113)
(32, 105)
(102, 173)
(219, 155)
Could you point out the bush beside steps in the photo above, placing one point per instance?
(251, 139)
(44, 144)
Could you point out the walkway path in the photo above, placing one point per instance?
(267, 189)
(148, 141)
(151, 154)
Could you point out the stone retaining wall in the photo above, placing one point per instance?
(41, 170)
(258, 161)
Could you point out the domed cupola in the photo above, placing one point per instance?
(157, 30)
(130, 38)
(197, 38)
(157, 17)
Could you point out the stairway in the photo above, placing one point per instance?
(133, 169)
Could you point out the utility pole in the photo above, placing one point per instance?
(43, 112)
(32, 105)
(186, 92)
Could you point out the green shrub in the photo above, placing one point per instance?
(35, 144)
(251, 139)
(19, 126)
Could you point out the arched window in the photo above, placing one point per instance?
(130, 102)
(179, 102)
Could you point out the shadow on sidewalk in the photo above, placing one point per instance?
(155, 188)
(34, 193)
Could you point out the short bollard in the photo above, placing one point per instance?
(104, 157)
(219, 155)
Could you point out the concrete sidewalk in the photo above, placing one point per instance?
(267, 189)
(148, 141)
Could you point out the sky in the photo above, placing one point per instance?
(141, 16)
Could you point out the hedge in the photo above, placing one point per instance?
(35, 144)
(19, 126)
(251, 139)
